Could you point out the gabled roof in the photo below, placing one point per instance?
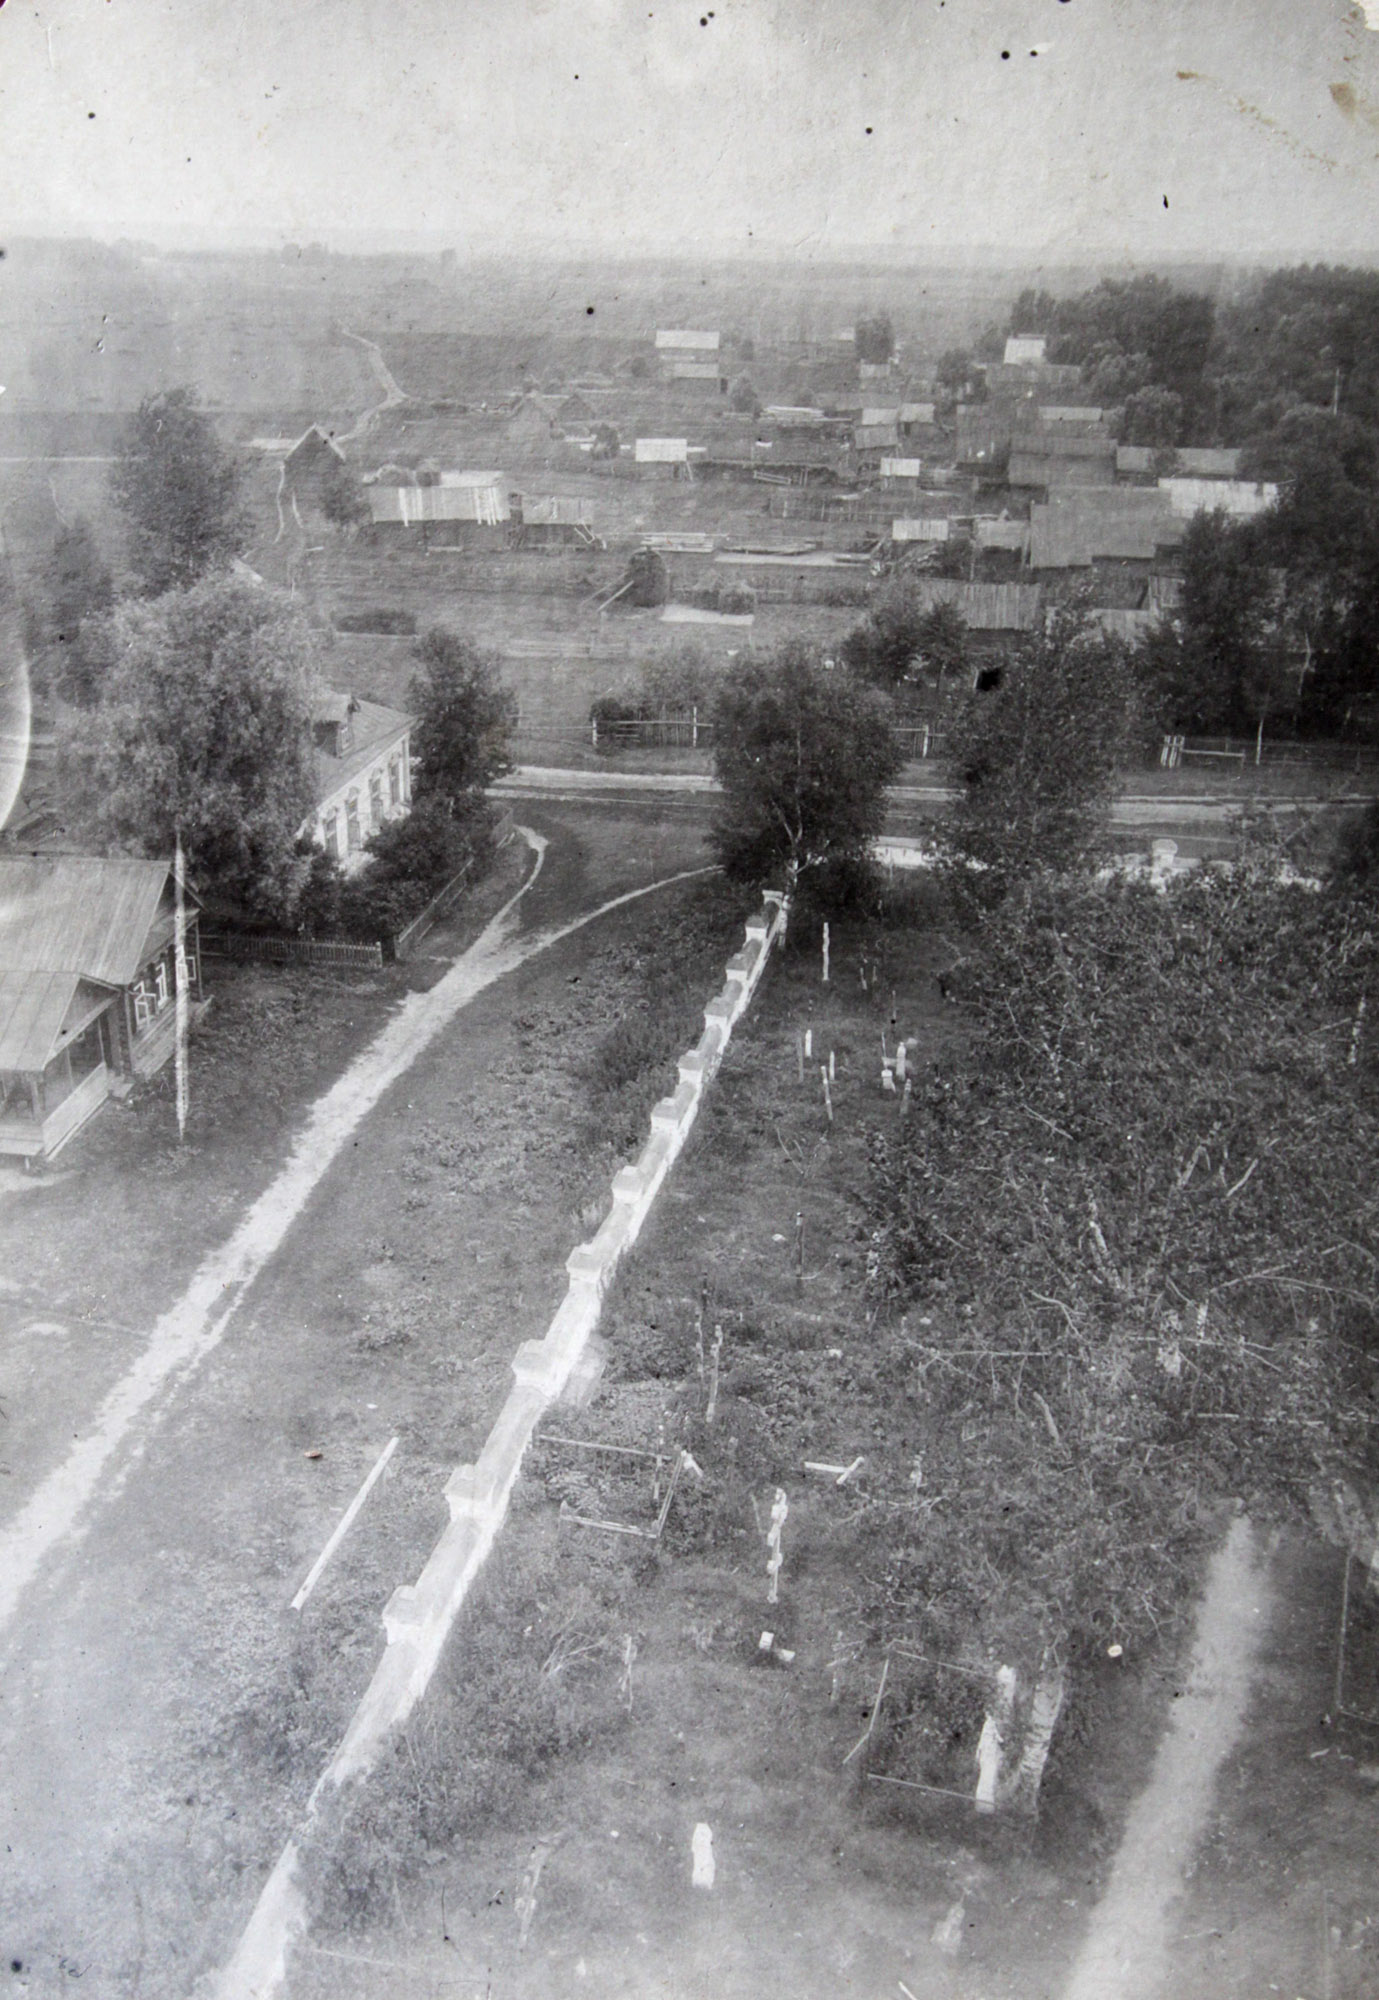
(985, 607)
(39, 1011)
(1208, 462)
(1236, 497)
(1123, 523)
(78, 914)
(375, 730)
(312, 443)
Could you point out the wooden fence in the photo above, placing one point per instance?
(246, 945)
(661, 732)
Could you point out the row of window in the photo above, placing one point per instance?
(349, 837)
(155, 988)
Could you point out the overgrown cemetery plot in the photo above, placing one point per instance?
(951, 1345)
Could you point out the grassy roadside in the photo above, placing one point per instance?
(445, 1246)
(273, 1039)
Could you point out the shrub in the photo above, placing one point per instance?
(377, 619)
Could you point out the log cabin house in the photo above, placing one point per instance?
(88, 977)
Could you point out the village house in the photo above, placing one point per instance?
(310, 464)
(363, 774)
(1026, 350)
(553, 520)
(1080, 462)
(692, 359)
(89, 970)
(1147, 462)
(1122, 524)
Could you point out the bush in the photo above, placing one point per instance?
(409, 861)
(648, 578)
(377, 619)
(608, 709)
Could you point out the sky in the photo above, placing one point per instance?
(1148, 129)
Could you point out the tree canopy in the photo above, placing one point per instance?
(1279, 616)
(204, 728)
(1127, 334)
(1136, 1217)
(1038, 754)
(179, 490)
(902, 639)
(78, 589)
(804, 753)
(874, 337)
(464, 717)
(343, 501)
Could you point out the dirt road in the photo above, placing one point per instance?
(165, 1710)
(392, 394)
(1126, 1948)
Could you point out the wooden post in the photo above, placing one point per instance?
(179, 987)
(715, 1352)
(780, 1508)
(825, 981)
(828, 1094)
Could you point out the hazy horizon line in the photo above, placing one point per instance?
(509, 250)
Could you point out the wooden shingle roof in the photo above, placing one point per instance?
(41, 1010)
(78, 914)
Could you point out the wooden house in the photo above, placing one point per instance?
(363, 773)
(89, 967)
(310, 464)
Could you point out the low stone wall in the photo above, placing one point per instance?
(418, 1616)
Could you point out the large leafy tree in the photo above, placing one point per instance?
(1318, 553)
(1038, 755)
(179, 490)
(874, 337)
(1136, 1216)
(1230, 674)
(1164, 333)
(203, 729)
(465, 717)
(903, 638)
(804, 752)
(79, 589)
